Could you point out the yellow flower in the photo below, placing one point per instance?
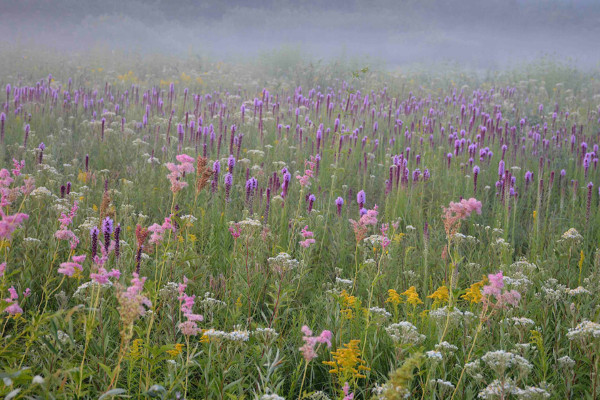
(441, 295)
(180, 238)
(95, 207)
(176, 350)
(398, 237)
(134, 353)
(534, 214)
(204, 338)
(82, 176)
(412, 297)
(348, 304)
(393, 297)
(238, 302)
(347, 363)
(4, 243)
(191, 238)
(473, 294)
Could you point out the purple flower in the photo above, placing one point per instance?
(339, 202)
(361, 198)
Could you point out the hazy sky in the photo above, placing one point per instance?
(478, 33)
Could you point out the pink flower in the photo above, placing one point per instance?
(494, 289)
(306, 233)
(79, 259)
(27, 292)
(13, 308)
(157, 233)
(306, 243)
(2, 269)
(235, 230)
(310, 342)
(184, 158)
(177, 172)
(347, 394)
(189, 328)
(10, 223)
(68, 268)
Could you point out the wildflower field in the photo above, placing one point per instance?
(177, 229)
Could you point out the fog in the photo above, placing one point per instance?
(473, 33)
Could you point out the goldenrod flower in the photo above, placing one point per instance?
(393, 297)
(135, 353)
(412, 297)
(440, 296)
(347, 363)
(176, 350)
(473, 293)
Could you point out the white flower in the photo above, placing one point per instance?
(584, 331)
(37, 380)
(405, 333)
(435, 355)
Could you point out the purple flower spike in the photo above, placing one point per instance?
(339, 202)
(361, 199)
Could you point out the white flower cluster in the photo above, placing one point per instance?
(344, 282)
(553, 291)
(586, 330)
(455, 316)
(271, 397)
(499, 361)
(234, 336)
(571, 235)
(283, 262)
(405, 333)
(266, 334)
(210, 303)
(446, 348)
(380, 312)
(442, 383)
(520, 321)
(577, 291)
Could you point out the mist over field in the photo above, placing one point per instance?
(479, 34)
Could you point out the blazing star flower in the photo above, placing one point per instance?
(339, 202)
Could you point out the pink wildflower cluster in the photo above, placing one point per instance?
(494, 289)
(68, 268)
(463, 209)
(385, 241)
(102, 277)
(7, 193)
(158, 231)
(177, 172)
(13, 300)
(347, 394)
(308, 173)
(367, 218)
(10, 223)
(64, 233)
(132, 301)
(235, 230)
(457, 212)
(308, 237)
(310, 342)
(189, 327)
